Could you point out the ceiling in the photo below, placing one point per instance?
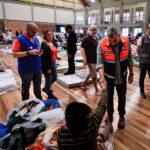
(72, 4)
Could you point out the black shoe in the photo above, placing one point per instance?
(50, 95)
(143, 95)
(68, 73)
(121, 122)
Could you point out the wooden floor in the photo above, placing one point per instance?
(135, 136)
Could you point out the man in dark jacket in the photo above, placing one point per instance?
(143, 51)
(71, 49)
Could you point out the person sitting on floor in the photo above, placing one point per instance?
(81, 130)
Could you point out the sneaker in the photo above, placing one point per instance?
(109, 119)
(97, 93)
(143, 95)
(121, 122)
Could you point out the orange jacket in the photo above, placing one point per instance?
(108, 53)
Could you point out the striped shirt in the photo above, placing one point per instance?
(87, 139)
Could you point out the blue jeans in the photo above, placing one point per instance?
(50, 78)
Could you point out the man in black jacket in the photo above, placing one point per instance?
(71, 49)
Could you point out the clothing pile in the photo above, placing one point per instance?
(7, 81)
(6, 50)
(28, 120)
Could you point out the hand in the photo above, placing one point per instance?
(103, 83)
(130, 78)
(49, 71)
(34, 52)
(85, 62)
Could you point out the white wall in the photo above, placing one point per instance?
(43, 14)
(80, 18)
(16, 11)
(1, 11)
(64, 16)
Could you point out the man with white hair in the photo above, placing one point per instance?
(89, 53)
(113, 59)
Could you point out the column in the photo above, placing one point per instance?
(4, 15)
(54, 1)
(32, 15)
(85, 16)
(101, 14)
(121, 12)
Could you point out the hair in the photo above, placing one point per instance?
(68, 27)
(111, 31)
(45, 33)
(76, 116)
(30, 25)
(92, 26)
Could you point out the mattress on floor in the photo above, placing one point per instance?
(6, 50)
(79, 59)
(62, 66)
(7, 81)
(70, 80)
(73, 80)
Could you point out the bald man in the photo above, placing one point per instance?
(26, 49)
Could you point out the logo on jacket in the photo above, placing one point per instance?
(30, 48)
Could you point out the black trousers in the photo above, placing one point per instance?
(121, 91)
(71, 63)
(143, 69)
(26, 79)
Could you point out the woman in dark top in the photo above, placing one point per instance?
(48, 59)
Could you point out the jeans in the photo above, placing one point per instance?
(50, 78)
(143, 69)
(26, 79)
(121, 91)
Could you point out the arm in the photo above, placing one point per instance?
(84, 56)
(46, 57)
(100, 65)
(18, 54)
(139, 43)
(101, 108)
(130, 65)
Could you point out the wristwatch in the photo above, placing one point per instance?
(28, 53)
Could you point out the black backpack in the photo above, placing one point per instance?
(22, 135)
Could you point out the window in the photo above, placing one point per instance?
(126, 16)
(137, 30)
(116, 17)
(139, 16)
(125, 31)
(79, 20)
(92, 19)
(107, 17)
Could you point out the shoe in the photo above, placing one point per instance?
(109, 119)
(97, 93)
(143, 95)
(50, 96)
(121, 122)
(68, 73)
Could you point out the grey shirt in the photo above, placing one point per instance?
(100, 62)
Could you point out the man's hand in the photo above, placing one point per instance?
(103, 83)
(34, 52)
(130, 78)
(49, 71)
